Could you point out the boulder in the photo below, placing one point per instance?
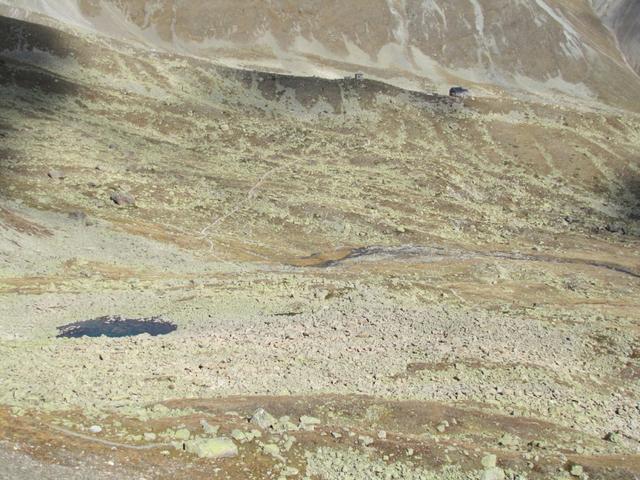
(122, 198)
(220, 447)
(263, 419)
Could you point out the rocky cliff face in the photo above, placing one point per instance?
(623, 17)
(542, 46)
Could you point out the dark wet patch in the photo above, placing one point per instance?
(434, 253)
(116, 327)
(332, 259)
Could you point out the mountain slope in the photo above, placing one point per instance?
(544, 46)
(623, 17)
(433, 279)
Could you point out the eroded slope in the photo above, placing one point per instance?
(542, 47)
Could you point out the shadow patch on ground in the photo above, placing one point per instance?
(632, 186)
(308, 91)
(625, 198)
(28, 53)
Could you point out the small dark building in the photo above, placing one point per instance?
(458, 92)
(359, 76)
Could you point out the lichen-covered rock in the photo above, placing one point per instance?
(489, 461)
(285, 424)
(308, 423)
(508, 440)
(273, 450)
(493, 473)
(577, 471)
(220, 447)
(182, 434)
(209, 429)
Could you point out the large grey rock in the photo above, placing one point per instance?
(263, 419)
(122, 198)
(56, 174)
